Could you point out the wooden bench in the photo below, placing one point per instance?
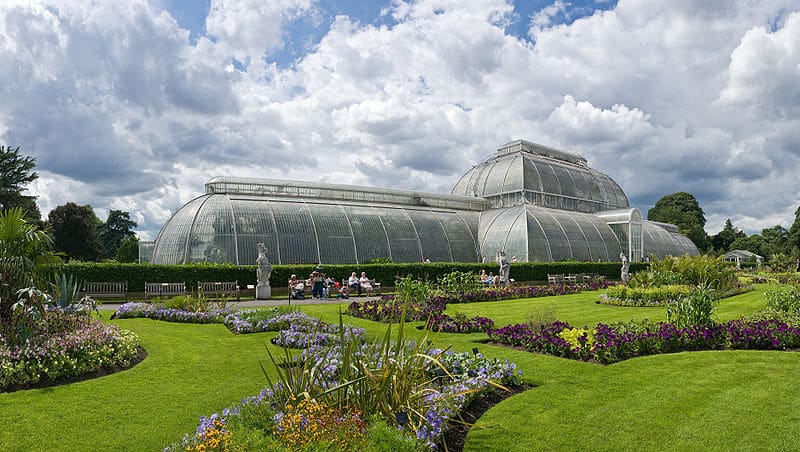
(555, 280)
(112, 289)
(164, 289)
(219, 289)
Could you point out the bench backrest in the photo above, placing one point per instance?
(218, 286)
(110, 287)
(164, 289)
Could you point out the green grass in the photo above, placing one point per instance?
(716, 400)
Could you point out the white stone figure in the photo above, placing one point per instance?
(625, 275)
(263, 273)
(505, 268)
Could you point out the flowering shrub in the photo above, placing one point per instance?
(614, 343)
(310, 421)
(320, 400)
(458, 324)
(212, 436)
(387, 310)
(74, 345)
(156, 312)
(316, 334)
(508, 293)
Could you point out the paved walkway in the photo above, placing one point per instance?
(113, 305)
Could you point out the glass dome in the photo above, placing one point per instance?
(228, 228)
(663, 239)
(532, 233)
(521, 171)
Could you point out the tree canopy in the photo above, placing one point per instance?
(682, 210)
(118, 226)
(722, 241)
(74, 231)
(16, 172)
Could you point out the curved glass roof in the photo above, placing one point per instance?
(534, 233)
(228, 228)
(661, 242)
(547, 177)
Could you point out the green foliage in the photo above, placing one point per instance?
(682, 210)
(410, 290)
(15, 174)
(385, 438)
(66, 290)
(25, 251)
(701, 271)
(128, 250)
(380, 260)
(696, 308)
(781, 263)
(722, 241)
(793, 240)
(74, 230)
(646, 296)
(459, 282)
(117, 227)
(783, 298)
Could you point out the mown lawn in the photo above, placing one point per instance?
(709, 400)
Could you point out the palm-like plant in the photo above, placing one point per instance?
(24, 252)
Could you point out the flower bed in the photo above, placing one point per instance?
(284, 415)
(387, 310)
(156, 312)
(459, 324)
(608, 344)
(644, 296)
(238, 321)
(509, 293)
(87, 346)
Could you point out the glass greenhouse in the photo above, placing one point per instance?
(533, 202)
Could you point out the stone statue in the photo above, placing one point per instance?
(264, 271)
(625, 275)
(505, 269)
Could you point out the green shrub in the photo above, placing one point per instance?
(784, 298)
(696, 308)
(699, 271)
(459, 282)
(645, 296)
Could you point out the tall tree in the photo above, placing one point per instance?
(749, 243)
(118, 226)
(722, 241)
(775, 241)
(682, 210)
(128, 250)
(15, 174)
(793, 242)
(74, 231)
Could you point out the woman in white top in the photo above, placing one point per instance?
(365, 283)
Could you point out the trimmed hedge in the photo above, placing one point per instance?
(137, 274)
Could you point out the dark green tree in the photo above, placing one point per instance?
(74, 230)
(723, 240)
(118, 226)
(682, 210)
(774, 241)
(128, 250)
(793, 242)
(749, 243)
(16, 172)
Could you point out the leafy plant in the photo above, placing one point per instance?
(25, 251)
(409, 289)
(694, 309)
(783, 298)
(65, 290)
(458, 282)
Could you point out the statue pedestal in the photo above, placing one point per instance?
(263, 293)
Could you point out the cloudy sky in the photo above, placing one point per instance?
(135, 104)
